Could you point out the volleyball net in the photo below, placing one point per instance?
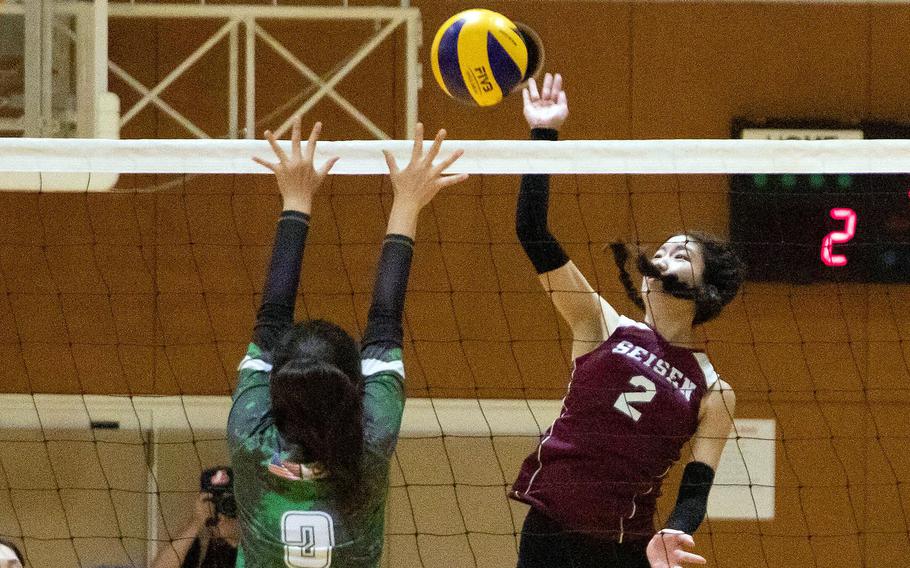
(126, 312)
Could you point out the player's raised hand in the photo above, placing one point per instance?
(416, 184)
(297, 178)
(548, 107)
(666, 550)
(421, 180)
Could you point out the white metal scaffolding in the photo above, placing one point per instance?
(240, 28)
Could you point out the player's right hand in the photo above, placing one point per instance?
(547, 108)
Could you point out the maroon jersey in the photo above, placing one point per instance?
(631, 405)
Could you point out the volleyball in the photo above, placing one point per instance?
(480, 56)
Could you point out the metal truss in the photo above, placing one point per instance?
(240, 29)
(245, 19)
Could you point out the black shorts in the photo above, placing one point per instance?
(546, 544)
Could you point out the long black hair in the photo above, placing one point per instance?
(721, 279)
(317, 403)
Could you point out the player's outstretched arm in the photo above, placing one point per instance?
(666, 549)
(414, 186)
(589, 316)
(174, 555)
(298, 181)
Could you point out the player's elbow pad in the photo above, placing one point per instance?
(692, 501)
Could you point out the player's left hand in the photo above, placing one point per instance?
(666, 550)
(416, 184)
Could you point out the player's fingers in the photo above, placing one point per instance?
(275, 147)
(434, 148)
(295, 138)
(686, 539)
(557, 87)
(562, 99)
(526, 97)
(311, 142)
(417, 150)
(327, 166)
(532, 88)
(444, 165)
(390, 161)
(547, 87)
(446, 181)
(689, 558)
(262, 162)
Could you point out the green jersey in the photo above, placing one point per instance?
(291, 519)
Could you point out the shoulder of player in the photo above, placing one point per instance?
(256, 359)
(625, 322)
(712, 378)
(718, 402)
(376, 359)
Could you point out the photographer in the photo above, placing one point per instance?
(210, 539)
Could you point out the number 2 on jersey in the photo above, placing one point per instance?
(622, 403)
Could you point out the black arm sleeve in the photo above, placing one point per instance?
(384, 320)
(692, 501)
(540, 245)
(276, 314)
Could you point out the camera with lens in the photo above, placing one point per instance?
(222, 493)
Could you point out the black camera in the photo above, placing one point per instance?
(222, 493)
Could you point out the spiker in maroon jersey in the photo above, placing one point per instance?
(631, 405)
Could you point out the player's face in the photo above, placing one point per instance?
(680, 257)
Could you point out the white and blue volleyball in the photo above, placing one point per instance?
(479, 56)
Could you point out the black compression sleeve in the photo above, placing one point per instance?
(276, 314)
(539, 244)
(384, 320)
(692, 501)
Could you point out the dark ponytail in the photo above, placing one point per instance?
(621, 258)
(317, 404)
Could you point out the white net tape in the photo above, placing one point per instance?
(488, 157)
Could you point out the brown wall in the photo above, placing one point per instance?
(154, 292)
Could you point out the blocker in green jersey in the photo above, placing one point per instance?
(292, 507)
(315, 416)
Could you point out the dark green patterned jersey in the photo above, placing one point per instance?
(289, 512)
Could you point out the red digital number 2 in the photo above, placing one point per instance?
(838, 237)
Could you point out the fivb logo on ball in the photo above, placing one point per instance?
(479, 56)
